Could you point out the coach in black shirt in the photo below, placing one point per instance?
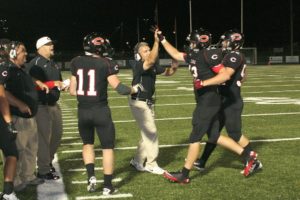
(48, 78)
(144, 72)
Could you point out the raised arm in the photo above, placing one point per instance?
(172, 51)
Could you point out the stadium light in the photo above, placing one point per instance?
(190, 8)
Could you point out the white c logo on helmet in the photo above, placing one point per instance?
(4, 73)
(214, 57)
(233, 59)
(116, 67)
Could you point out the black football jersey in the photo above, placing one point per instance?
(236, 61)
(201, 61)
(146, 77)
(3, 72)
(91, 76)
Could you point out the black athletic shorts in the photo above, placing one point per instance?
(8, 147)
(96, 118)
(205, 117)
(231, 117)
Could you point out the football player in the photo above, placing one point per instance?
(8, 133)
(202, 64)
(91, 75)
(231, 74)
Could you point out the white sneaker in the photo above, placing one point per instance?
(154, 170)
(11, 196)
(109, 191)
(136, 165)
(92, 184)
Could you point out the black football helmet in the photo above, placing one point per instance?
(235, 39)
(200, 37)
(96, 43)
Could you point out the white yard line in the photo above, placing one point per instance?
(185, 118)
(83, 169)
(182, 145)
(115, 180)
(80, 159)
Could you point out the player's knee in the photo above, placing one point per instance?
(10, 151)
(236, 136)
(108, 145)
(195, 137)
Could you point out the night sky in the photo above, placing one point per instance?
(266, 22)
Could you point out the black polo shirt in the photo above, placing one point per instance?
(20, 85)
(146, 77)
(45, 70)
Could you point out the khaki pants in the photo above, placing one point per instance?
(27, 145)
(49, 123)
(148, 145)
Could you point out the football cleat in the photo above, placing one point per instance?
(91, 187)
(256, 167)
(176, 177)
(199, 165)
(249, 166)
(109, 190)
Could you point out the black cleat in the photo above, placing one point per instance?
(176, 177)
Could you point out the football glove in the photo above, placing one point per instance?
(12, 131)
(138, 88)
(198, 84)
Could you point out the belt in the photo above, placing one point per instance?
(148, 101)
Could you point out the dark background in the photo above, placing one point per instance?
(266, 22)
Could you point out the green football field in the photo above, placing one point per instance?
(270, 119)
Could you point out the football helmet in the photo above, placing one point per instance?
(96, 43)
(234, 38)
(199, 38)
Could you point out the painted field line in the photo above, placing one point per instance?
(83, 169)
(70, 132)
(185, 118)
(70, 144)
(182, 145)
(80, 159)
(115, 180)
(69, 138)
(52, 190)
(67, 128)
(113, 196)
(191, 94)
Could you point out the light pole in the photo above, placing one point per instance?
(242, 16)
(292, 27)
(190, 8)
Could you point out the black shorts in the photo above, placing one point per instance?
(231, 117)
(8, 147)
(205, 117)
(99, 118)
